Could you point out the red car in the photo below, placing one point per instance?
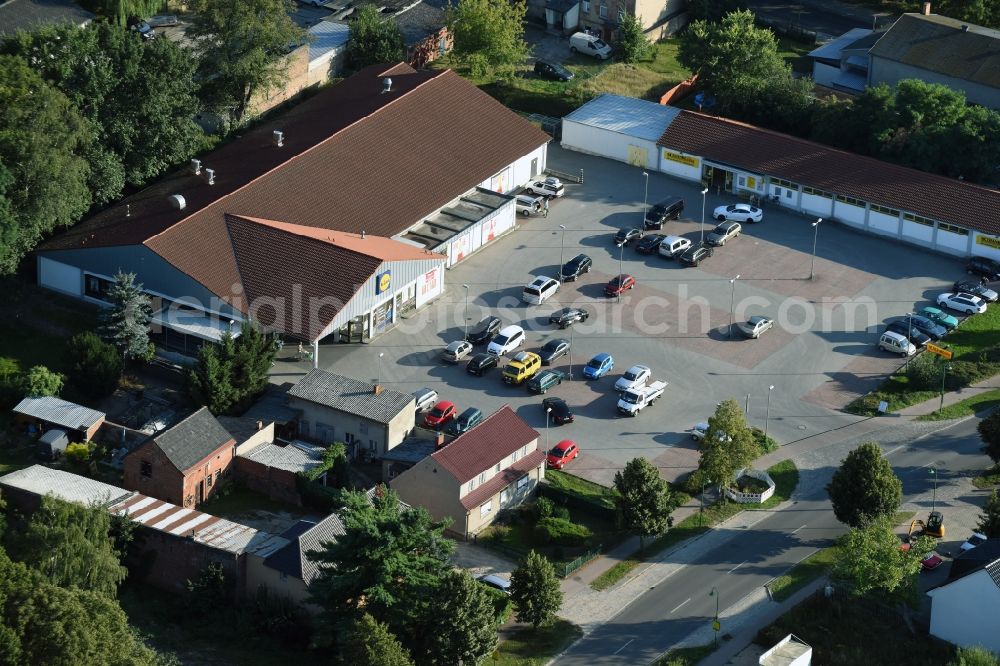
(443, 412)
(619, 285)
(931, 561)
(562, 453)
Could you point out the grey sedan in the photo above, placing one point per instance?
(724, 232)
(553, 349)
(755, 326)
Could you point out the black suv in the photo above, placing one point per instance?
(485, 330)
(987, 268)
(575, 267)
(568, 316)
(914, 335)
(480, 363)
(695, 255)
(649, 244)
(550, 70)
(668, 209)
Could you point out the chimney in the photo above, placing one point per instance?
(196, 167)
(926, 9)
(210, 176)
(278, 137)
(260, 425)
(377, 389)
(386, 85)
(438, 440)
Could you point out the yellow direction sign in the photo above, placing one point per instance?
(940, 351)
(716, 625)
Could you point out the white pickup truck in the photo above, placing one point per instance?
(633, 400)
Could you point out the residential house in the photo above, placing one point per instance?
(965, 608)
(939, 49)
(46, 412)
(494, 466)
(185, 464)
(28, 15)
(369, 418)
(842, 63)
(412, 450)
(659, 18)
(273, 468)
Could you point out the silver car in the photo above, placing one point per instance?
(724, 232)
(456, 351)
(755, 326)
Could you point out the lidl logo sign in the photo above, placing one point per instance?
(383, 282)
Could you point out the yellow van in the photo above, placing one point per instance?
(523, 366)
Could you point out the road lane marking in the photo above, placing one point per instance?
(797, 529)
(678, 608)
(626, 645)
(738, 566)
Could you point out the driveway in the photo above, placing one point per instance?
(820, 355)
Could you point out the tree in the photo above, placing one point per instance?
(70, 545)
(253, 356)
(231, 374)
(387, 564)
(989, 432)
(870, 559)
(643, 499)
(39, 381)
(138, 95)
(210, 381)
(632, 43)
(243, 47)
(974, 656)
(534, 589)
(43, 173)
(461, 623)
(728, 445)
(372, 644)
(980, 12)
(95, 366)
(120, 11)
(710, 10)
(374, 38)
(126, 323)
(864, 487)
(489, 35)
(989, 519)
(78, 454)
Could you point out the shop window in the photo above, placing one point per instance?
(951, 228)
(851, 201)
(818, 193)
(96, 287)
(784, 183)
(919, 219)
(885, 210)
(146, 469)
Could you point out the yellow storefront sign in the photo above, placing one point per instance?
(988, 241)
(687, 160)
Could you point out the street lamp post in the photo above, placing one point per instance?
(465, 310)
(944, 373)
(812, 265)
(571, 353)
(547, 419)
(732, 303)
(934, 497)
(645, 198)
(562, 246)
(701, 510)
(767, 414)
(703, 193)
(621, 261)
(380, 355)
(715, 621)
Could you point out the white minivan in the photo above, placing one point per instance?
(590, 45)
(897, 344)
(672, 247)
(528, 205)
(540, 290)
(507, 340)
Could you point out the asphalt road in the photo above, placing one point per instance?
(679, 605)
(820, 16)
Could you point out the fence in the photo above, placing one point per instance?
(564, 570)
(562, 175)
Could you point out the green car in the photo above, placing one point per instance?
(545, 380)
(940, 318)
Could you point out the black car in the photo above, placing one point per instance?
(924, 325)
(485, 330)
(914, 335)
(976, 289)
(481, 363)
(626, 235)
(568, 316)
(649, 244)
(696, 254)
(560, 413)
(668, 209)
(553, 349)
(553, 71)
(575, 267)
(983, 267)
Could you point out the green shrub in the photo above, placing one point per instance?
(963, 373)
(544, 507)
(560, 512)
(94, 365)
(78, 454)
(559, 531)
(764, 444)
(692, 484)
(501, 604)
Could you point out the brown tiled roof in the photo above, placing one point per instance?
(837, 171)
(503, 479)
(479, 449)
(354, 159)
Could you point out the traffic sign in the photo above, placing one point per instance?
(716, 625)
(940, 351)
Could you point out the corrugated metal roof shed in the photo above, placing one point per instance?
(327, 37)
(66, 486)
(61, 412)
(627, 115)
(351, 395)
(293, 457)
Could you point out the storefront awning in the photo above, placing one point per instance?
(196, 323)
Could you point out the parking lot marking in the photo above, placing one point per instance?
(797, 529)
(626, 645)
(677, 608)
(738, 566)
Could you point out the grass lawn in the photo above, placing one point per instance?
(594, 492)
(238, 500)
(685, 656)
(794, 52)
(14, 457)
(988, 479)
(785, 476)
(527, 647)
(967, 407)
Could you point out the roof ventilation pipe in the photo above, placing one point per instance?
(362, 233)
(278, 137)
(177, 201)
(196, 167)
(386, 85)
(210, 176)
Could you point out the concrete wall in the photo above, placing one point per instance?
(606, 143)
(277, 583)
(891, 72)
(167, 561)
(428, 485)
(680, 164)
(326, 425)
(171, 485)
(263, 436)
(965, 612)
(278, 484)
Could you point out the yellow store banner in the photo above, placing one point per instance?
(688, 160)
(988, 241)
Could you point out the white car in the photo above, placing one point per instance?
(549, 187)
(541, 289)
(635, 376)
(456, 351)
(528, 205)
(976, 539)
(507, 340)
(961, 302)
(755, 326)
(425, 398)
(738, 213)
(700, 430)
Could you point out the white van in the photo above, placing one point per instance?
(897, 344)
(507, 340)
(528, 205)
(540, 290)
(590, 45)
(672, 247)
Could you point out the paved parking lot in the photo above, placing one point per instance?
(820, 355)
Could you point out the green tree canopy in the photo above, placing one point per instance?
(95, 365)
(989, 432)
(632, 43)
(534, 589)
(643, 499)
(374, 38)
(230, 375)
(870, 560)
(40, 381)
(126, 323)
(242, 46)
(387, 564)
(974, 656)
(989, 519)
(489, 35)
(981, 12)
(864, 487)
(460, 625)
(728, 445)
(138, 95)
(372, 644)
(43, 172)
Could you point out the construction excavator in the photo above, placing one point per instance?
(934, 526)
